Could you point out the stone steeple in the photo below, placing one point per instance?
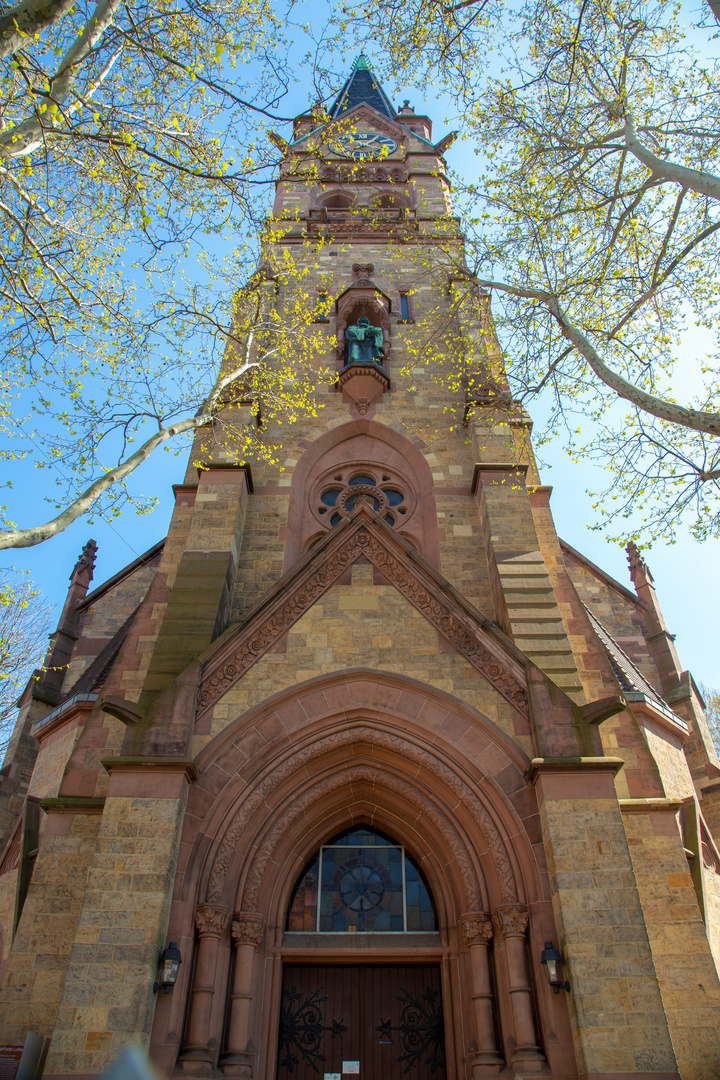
(372, 653)
(361, 87)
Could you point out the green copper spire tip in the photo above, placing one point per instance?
(362, 63)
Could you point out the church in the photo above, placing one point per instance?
(362, 770)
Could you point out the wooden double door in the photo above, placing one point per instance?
(375, 1022)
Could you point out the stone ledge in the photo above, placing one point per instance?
(573, 764)
(643, 806)
(146, 764)
(73, 804)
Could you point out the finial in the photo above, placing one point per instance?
(636, 561)
(362, 63)
(86, 562)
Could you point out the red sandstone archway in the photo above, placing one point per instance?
(370, 747)
(364, 442)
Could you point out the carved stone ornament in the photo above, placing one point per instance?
(512, 920)
(211, 920)
(476, 928)
(363, 270)
(247, 928)
(258, 798)
(239, 650)
(636, 561)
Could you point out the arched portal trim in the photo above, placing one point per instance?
(364, 442)
(358, 746)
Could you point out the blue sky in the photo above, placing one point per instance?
(687, 574)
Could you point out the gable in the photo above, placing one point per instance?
(362, 116)
(359, 622)
(365, 534)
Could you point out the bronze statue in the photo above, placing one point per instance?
(364, 342)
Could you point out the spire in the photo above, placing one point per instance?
(362, 87)
(62, 641)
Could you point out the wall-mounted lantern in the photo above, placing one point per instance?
(168, 967)
(553, 962)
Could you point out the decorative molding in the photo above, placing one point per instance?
(645, 806)
(372, 776)
(226, 466)
(476, 928)
(234, 837)
(211, 920)
(512, 920)
(572, 764)
(73, 804)
(371, 371)
(362, 534)
(147, 764)
(708, 852)
(76, 706)
(247, 928)
(376, 227)
(11, 859)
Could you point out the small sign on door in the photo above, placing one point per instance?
(332, 1076)
(351, 1067)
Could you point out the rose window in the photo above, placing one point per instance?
(342, 492)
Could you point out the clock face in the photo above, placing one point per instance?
(363, 146)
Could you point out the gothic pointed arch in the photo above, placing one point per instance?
(354, 748)
(352, 445)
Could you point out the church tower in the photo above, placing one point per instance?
(363, 771)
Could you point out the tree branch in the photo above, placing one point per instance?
(697, 420)
(702, 182)
(36, 534)
(28, 18)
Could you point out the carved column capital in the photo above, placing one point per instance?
(512, 920)
(476, 928)
(247, 928)
(211, 920)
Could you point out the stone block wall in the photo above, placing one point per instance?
(686, 972)
(35, 972)
(107, 994)
(617, 1012)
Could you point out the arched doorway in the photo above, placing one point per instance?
(356, 750)
(381, 1021)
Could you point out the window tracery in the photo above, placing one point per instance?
(362, 881)
(340, 491)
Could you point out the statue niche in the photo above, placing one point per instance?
(363, 346)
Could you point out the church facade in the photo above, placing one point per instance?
(362, 771)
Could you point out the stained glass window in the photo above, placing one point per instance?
(361, 882)
(343, 500)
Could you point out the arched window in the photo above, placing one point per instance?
(388, 201)
(362, 881)
(338, 202)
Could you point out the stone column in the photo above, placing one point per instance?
(512, 922)
(247, 932)
(211, 921)
(476, 928)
